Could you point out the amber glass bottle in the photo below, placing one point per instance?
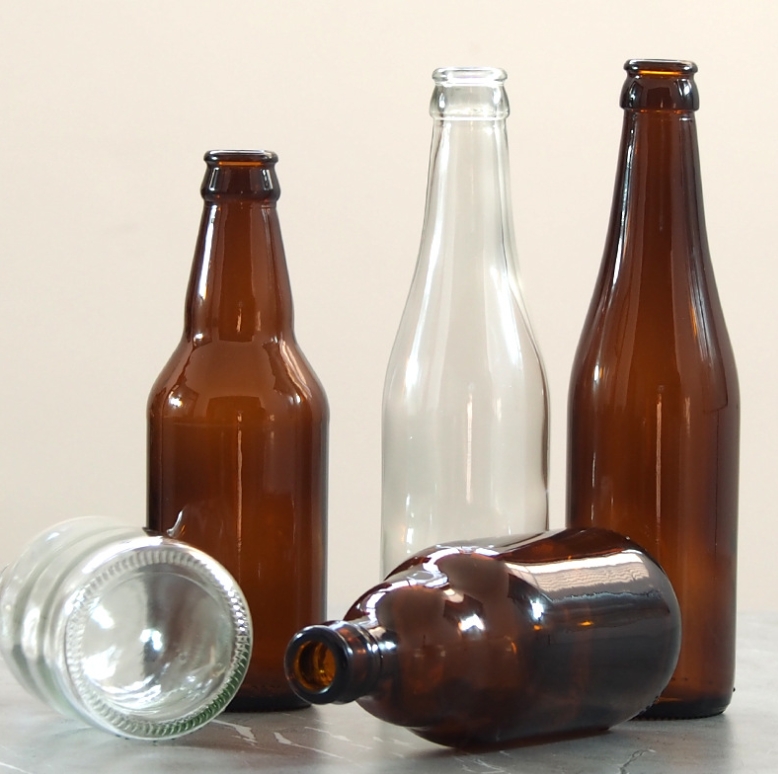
(492, 641)
(237, 457)
(654, 403)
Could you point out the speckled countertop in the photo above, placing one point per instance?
(35, 740)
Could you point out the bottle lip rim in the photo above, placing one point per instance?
(146, 551)
(468, 76)
(240, 157)
(660, 67)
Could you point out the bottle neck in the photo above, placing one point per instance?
(658, 196)
(239, 286)
(658, 208)
(468, 210)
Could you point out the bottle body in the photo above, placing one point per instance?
(238, 423)
(95, 617)
(654, 402)
(465, 417)
(492, 641)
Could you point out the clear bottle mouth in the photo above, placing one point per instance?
(158, 640)
(469, 76)
(469, 93)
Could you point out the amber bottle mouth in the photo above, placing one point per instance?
(660, 85)
(239, 157)
(240, 174)
(316, 665)
(660, 67)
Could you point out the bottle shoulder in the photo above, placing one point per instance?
(484, 337)
(268, 373)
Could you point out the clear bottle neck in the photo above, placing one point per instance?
(468, 209)
(239, 286)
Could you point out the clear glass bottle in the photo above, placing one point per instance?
(487, 642)
(654, 405)
(136, 634)
(465, 407)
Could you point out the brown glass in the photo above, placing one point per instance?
(654, 402)
(237, 433)
(495, 641)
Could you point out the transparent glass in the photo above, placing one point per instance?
(139, 635)
(465, 407)
(654, 403)
(490, 641)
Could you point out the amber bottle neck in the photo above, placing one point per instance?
(239, 286)
(658, 207)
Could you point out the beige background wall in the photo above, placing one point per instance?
(107, 108)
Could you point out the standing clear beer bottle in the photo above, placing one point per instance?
(465, 406)
(654, 403)
(237, 441)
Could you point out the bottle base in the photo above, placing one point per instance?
(678, 709)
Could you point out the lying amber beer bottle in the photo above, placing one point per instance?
(237, 438)
(654, 403)
(488, 642)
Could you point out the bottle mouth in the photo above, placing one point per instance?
(158, 641)
(660, 67)
(468, 76)
(240, 174)
(316, 664)
(240, 158)
(660, 85)
(469, 93)
(315, 667)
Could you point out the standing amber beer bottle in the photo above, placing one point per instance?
(237, 460)
(654, 404)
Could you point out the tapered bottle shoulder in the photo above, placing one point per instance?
(266, 375)
(648, 335)
(484, 341)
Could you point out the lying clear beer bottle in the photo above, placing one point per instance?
(654, 405)
(489, 642)
(237, 460)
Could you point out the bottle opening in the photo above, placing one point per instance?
(469, 93)
(240, 158)
(240, 174)
(660, 67)
(314, 667)
(660, 85)
(468, 76)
